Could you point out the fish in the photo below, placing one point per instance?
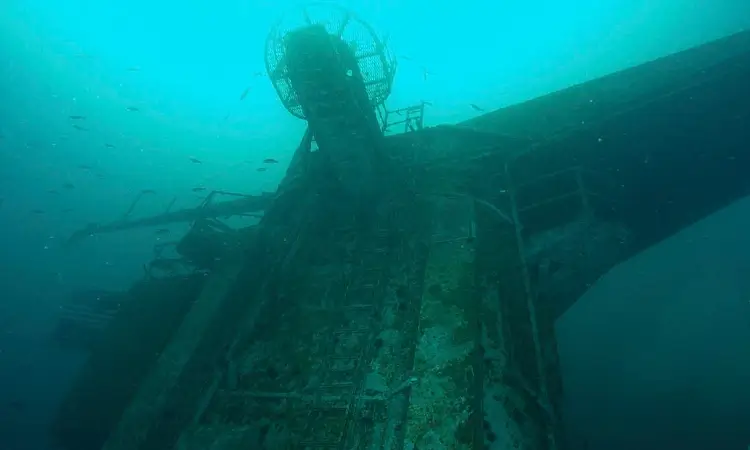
(261, 169)
(198, 189)
(80, 128)
(85, 167)
(244, 93)
(134, 69)
(195, 160)
(476, 108)
(148, 191)
(132, 108)
(69, 186)
(109, 145)
(270, 161)
(53, 191)
(162, 231)
(74, 117)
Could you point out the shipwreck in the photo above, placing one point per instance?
(399, 289)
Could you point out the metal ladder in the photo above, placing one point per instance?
(332, 422)
(528, 199)
(411, 117)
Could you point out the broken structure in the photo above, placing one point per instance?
(424, 321)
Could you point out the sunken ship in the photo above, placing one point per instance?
(399, 289)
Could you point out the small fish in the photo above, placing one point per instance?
(53, 191)
(244, 93)
(134, 69)
(270, 161)
(426, 103)
(132, 108)
(162, 231)
(425, 73)
(85, 167)
(195, 160)
(198, 189)
(109, 146)
(77, 117)
(148, 191)
(80, 128)
(261, 169)
(69, 186)
(476, 108)
(67, 210)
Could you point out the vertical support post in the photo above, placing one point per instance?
(517, 377)
(526, 282)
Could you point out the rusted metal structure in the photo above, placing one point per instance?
(426, 319)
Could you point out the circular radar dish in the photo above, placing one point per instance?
(376, 62)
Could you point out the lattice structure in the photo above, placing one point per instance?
(327, 360)
(402, 120)
(376, 62)
(523, 222)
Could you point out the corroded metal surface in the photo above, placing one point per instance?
(424, 320)
(442, 410)
(332, 356)
(148, 405)
(121, 359)
(589, 103)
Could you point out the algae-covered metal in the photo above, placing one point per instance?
(424, 320)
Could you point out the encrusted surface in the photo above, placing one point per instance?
(148, 404)
(442, 403)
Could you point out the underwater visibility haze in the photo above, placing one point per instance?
(112, 111)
